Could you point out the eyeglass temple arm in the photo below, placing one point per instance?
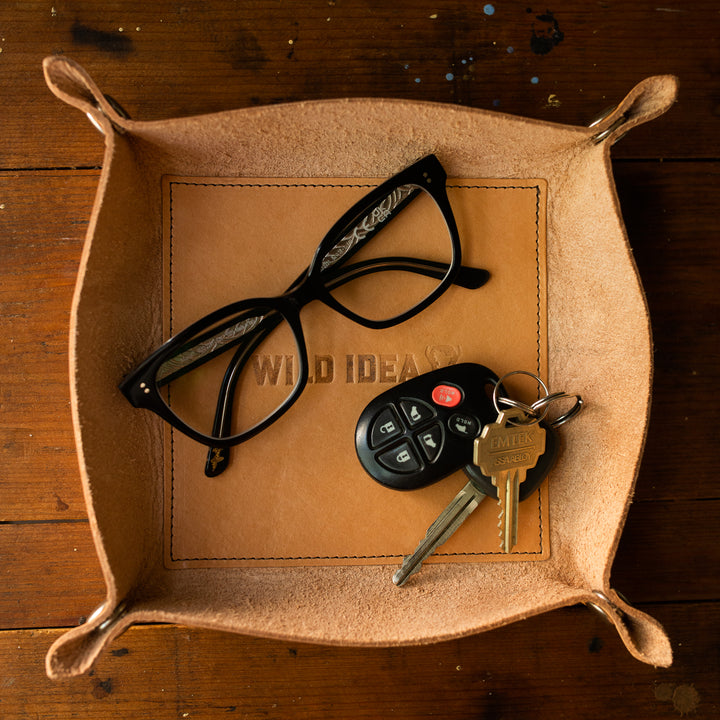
(368, 224)
(467, 277)
(218, 458)
(216, 461)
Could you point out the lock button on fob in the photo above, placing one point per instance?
(385, 427)
(400, 459)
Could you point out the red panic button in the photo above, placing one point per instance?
(446, 395)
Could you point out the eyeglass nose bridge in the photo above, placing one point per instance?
(303, 293)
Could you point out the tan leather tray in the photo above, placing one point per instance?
(598, 342)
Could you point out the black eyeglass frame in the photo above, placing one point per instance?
(141, 388)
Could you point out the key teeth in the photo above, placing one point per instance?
(501, 524)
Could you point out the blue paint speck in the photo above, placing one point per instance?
(489, 9)
(417, 80)
(535, 80)
(511, 49)
(464, 62)
(496, 103)
(449, 77)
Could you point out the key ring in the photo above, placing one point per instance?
(571, 413)
(529, 410)
(542, 404)
(553, 397)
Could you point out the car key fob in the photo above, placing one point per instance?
(423, 430)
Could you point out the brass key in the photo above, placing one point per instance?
(505, 451)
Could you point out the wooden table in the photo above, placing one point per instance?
(164, 59)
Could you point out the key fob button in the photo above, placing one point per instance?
(464, 425)
(447, 395)
(431, 441)
(400, 459)
(385, 427)
(416, 411)
(404, 438)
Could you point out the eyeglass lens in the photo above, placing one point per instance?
(254, 353)
(382, 280)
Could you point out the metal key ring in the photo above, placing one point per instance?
(553, 397)
(516, 404)
(532, 417)
(547, 400)
(571, 413)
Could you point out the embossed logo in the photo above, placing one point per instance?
(352, 368)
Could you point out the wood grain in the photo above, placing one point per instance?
(43, 221)
(173, 672)
(49, 574)
(163, 59)
(670, 210)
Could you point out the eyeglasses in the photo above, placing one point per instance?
(255, 349)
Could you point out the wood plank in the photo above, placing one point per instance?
(43, 219)
(175, 59)
(564, 664)
(669, 550)
(670, 210)
(163, 60)
(50, 575)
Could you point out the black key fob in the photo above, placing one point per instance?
(422, 430)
